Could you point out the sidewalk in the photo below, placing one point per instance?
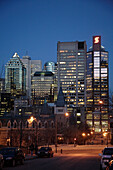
(69, 149)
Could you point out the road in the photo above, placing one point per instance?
(81, 161)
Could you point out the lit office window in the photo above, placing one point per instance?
(96, 73)
(96, 62)
(96, 53)
(103, 70)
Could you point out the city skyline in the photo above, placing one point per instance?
(35, 27)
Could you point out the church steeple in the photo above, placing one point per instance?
(60, 100)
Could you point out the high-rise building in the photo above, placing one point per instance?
(31, 67)
(15, 76)
(2, 85)
(50, 66)
(27, 63)
(97, 86)
(43, 87)
(36, 65)
(71, 60)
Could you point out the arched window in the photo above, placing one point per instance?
(40, 125)
(9, 124)
(15, 124)
(45, 124)
(20, 124)
(27, 124)
(52, 124)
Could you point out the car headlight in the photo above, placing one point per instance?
(106, 160)
(9, 158)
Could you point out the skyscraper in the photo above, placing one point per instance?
(31, 67)
(71, 60)
(27, 63)
(42, 88)
(97, 86)
(36, 65)
(15, 76)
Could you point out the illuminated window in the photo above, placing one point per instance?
(78, 114)
(96, 73)
(103, 76)
(96, 62)
(96, 53)
(103, 70)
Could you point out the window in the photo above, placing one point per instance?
(80, 45)
(14, 124)
(96, 73)
(60, 110)
(96, 62)
(96, 53)
(9, 124)
(39, 124)
(103, 70)
(45, 124)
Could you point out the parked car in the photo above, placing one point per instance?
(12, 155)
(1, 161)
(45, 152)
(105, 157)
(109, 165)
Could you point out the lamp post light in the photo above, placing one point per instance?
(84, 135)
(100, 103)
(30, 120)
(105, 134)
(67, 116)
(56, 128)
(56, 133)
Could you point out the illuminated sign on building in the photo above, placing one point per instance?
(96, 43)
(96, 40)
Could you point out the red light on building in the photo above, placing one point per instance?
(96, 43)
(96, 40)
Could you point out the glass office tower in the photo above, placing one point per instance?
(15, 76)
(42, 88)
(71, 61)
(97, 86)
(31, 67)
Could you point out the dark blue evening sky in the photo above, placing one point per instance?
(37, 25)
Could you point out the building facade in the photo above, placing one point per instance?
(51, 66)
(26, 60)
(15, 76)
(97, 86)
(43, 84)
(31, 67)
(71, 61)
(36, 65)
(2, 85)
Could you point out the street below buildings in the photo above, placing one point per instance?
(72, 158)
(67, 162)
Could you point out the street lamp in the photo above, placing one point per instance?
(100, 103)
(66, 115)
(84, 135)
(105, 134)
(30, 120)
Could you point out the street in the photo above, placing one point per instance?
(60, 163)
(77, 159)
